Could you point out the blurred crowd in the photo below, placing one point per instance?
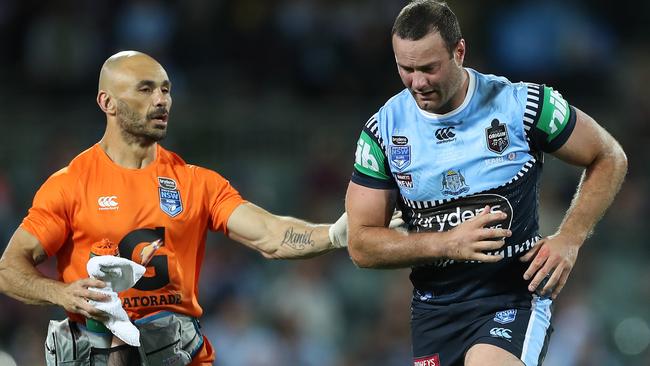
(273, 94)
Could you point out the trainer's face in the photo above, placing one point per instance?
(433, 76)
(144, 99)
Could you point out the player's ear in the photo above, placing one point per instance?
(459, 52)
(105, 102)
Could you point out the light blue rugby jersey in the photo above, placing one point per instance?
(488, 151)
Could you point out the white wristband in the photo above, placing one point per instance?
(338, 232)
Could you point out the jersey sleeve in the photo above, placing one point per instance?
(223, 199)
(548, 118)
(48, 218)
(370, 162)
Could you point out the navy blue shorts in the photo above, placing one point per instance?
(442, 334)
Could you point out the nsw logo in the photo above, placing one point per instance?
(170, 201)
(445, 134)
(108, 203)
(400, 156)
(505, 316)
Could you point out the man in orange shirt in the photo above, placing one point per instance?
(128, 190)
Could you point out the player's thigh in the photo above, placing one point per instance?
(488, 355)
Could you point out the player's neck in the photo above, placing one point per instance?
(130, 155)
(459, 98)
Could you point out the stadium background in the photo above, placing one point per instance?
(273, 94)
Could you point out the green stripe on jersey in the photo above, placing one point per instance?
(554, 115)
(369, 158)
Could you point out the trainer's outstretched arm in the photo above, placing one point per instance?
(20, 279)
(281, 237)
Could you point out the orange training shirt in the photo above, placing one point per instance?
(94, 199)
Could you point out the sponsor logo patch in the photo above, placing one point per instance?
(433, 360)
(363, 156)
(500, 159)
(170, 201)
(505, 316)
(453, 183)
(167, 183)
(399, 140)
(452, 214)
(497, 137)
(400, 156)
(108, 203)
(555, 113)
(404, 180)
(445, 134)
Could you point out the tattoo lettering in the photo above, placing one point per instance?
(297, 241)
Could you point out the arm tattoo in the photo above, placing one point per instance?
(296, 240)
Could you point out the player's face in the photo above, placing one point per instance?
(144, 101)
(433, 76)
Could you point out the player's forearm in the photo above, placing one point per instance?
(25, 283)
(294, 239)
(379, 247)
(598, 186)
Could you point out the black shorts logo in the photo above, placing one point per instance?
(497, 137)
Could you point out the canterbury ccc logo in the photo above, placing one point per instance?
(501, 333)
(107, 202)
(445, 133)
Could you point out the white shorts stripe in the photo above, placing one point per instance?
(538, 324)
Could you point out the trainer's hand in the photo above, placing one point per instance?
(338, 232)
(396, 222)
(555, 256)
(470, 239)
(74, 298)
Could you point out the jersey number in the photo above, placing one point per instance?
(159, 262)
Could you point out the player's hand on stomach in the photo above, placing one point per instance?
(554, 259)
(75, 296)
(470, 239)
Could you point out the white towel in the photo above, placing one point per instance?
(119, 274)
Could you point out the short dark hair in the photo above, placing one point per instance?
(421, 17)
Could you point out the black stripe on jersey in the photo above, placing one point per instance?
(534, 102)
(415, 205)
(565, 134)
(372, 128)
(370, 182)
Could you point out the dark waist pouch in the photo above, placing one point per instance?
(169, 339)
